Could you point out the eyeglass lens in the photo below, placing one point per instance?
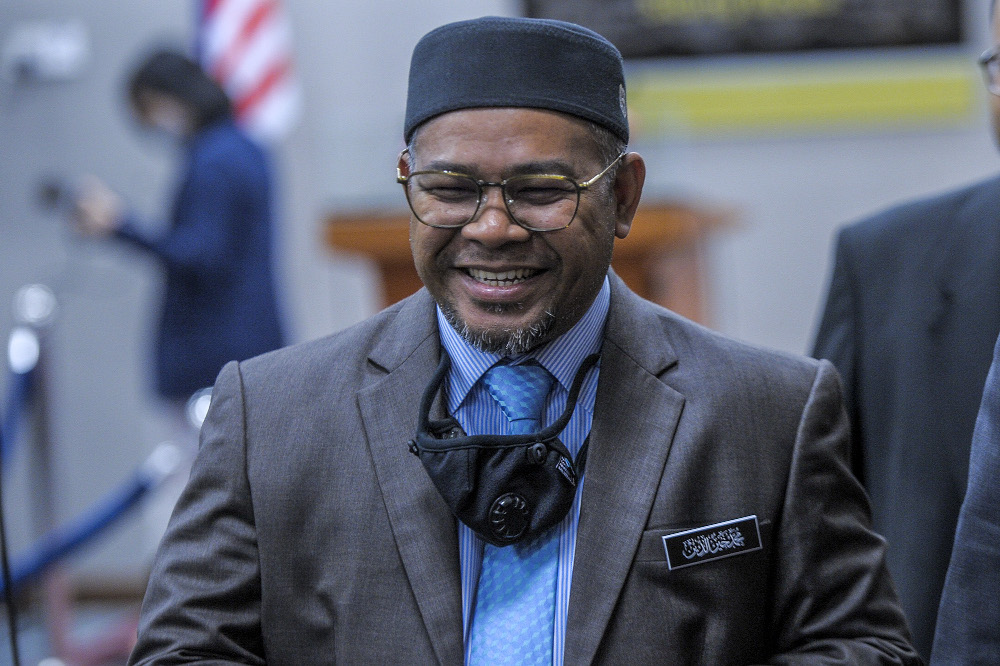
(450, 200)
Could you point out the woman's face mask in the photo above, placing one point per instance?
(165, 116)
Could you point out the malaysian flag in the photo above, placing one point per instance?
(245, 45)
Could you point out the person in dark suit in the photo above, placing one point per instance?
(687, 499)
(911, 315)
(968, 627)
(219, 301)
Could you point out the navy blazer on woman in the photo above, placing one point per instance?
(219, 302)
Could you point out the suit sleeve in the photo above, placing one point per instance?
(203, 599)
(834, 598)
(202, 240)
(837, 335)
(968, 626)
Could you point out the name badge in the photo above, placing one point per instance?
(712, 542)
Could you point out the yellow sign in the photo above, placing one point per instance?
(682, 11)
(803, 96)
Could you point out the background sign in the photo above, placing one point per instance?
(746, 83)
(649, 28)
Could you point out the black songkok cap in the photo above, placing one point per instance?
(520, 62)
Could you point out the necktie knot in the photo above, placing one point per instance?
(520, 390)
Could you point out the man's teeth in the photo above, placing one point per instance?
(502, 279)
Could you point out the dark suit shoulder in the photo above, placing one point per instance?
(922, 220)
(343, 352)
(710, 353)
(726, 355)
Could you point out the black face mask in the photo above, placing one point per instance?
(506, 488)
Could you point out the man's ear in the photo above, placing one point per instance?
(628, 190)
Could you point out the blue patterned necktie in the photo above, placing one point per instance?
(515, 599)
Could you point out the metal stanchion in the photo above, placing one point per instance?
(35, 306)
(22, 355)
(35, 310)
(197, 406)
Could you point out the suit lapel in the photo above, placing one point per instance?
(635, 417)
(423, 527)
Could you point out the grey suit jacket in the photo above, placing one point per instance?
(309, 534)
(910, 321)
(968, 628)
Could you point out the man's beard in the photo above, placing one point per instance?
(505, 342)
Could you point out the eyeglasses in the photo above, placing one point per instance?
(537, 202)
(990, 62)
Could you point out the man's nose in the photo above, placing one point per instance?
(493, 226)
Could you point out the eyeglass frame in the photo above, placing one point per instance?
(990, 62)
(481, 194)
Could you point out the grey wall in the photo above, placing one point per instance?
(101, 427)
(767, 276)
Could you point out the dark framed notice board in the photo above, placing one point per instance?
(717, 67)
(654, 28)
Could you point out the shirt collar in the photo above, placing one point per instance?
(562, 356)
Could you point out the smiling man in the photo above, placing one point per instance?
(523, 463)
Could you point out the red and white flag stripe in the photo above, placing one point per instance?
(245, 45)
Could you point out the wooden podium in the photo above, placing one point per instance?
(662, 258)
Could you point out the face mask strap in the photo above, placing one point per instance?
(426, 400)
(440, 434)
(551, 432)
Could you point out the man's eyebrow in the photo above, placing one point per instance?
(544, 167)
(560, 167)
(444, 165)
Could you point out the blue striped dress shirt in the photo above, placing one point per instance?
(478, 413)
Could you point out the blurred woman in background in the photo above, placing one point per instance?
(219, 300)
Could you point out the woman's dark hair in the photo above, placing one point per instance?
(174, 74)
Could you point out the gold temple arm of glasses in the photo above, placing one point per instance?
(400, 178)
(596, 178)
